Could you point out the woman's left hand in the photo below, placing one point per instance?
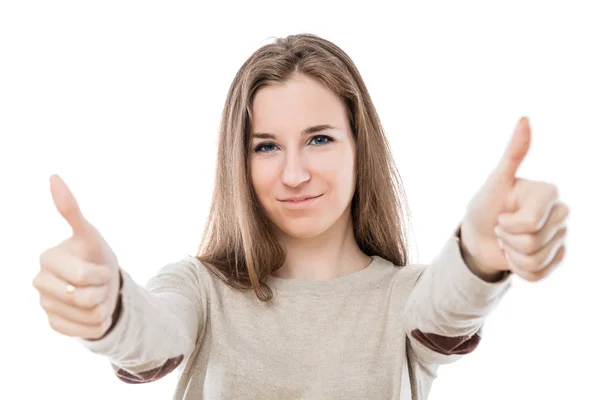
(513, 224)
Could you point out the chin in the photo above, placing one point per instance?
(306, 230)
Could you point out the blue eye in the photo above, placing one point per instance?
(261, 148)
(321, 136)
(258, 149)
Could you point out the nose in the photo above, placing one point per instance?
(294, 171)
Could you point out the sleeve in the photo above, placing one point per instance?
(158, 325)
(446, 309)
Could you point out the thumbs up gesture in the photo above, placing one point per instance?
(513, 224)
(79, 278)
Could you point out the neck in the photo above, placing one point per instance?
(331, 254)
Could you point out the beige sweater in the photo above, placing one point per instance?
(379, 333)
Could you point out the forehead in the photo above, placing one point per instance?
(294, 104)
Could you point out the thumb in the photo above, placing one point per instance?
(516, 150)
(67, 206)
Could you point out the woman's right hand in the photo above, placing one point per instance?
(84, 261)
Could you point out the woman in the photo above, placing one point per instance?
(302, 287)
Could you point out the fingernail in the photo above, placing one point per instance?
(500, 243)
(497, 230)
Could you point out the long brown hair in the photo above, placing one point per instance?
(239, 243)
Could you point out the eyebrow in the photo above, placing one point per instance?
(305, 131)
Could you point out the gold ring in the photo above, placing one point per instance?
(70, 292)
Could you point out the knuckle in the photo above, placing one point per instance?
(53, 322)
(540, 215)
(91, 333)
(548, 270)
(97, 331)
(99, 314)
(531, 276)
(531, 223)
(45, 259)
(562, 252)
(81, 275)
(99, 295)
(529, 264)
(93, 297)
(88, 299)
(40, 282)
(36, 282)
(553, 189)
(102, 293)
(107, 324)
(562, 233)
(536, 277)
(565, 211)
(530, 244)
(559, 254)
(45, 303)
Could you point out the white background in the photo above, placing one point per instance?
(122, 99)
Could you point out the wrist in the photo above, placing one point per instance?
(490, 276)
(487, 274)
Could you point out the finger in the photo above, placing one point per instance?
(515, 151)
(73, 269)
(534, 212)
(84, 297)
(91, 317)
(67, 206)
(536, 276)
(530, 243)
(541, 259)
(69, 328)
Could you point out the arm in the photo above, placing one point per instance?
(446, 309)
(512, 226)
(156, 327)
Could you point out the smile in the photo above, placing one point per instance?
(291, 204)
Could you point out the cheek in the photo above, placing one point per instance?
(338, 170)
(262, 176)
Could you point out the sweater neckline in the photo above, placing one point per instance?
(348, 281)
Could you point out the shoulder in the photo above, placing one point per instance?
(193, 266)
(401, 277)
(186, 272)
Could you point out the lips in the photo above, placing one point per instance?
(296, 205)
(298, 199)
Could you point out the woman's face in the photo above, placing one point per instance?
(302, 145)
